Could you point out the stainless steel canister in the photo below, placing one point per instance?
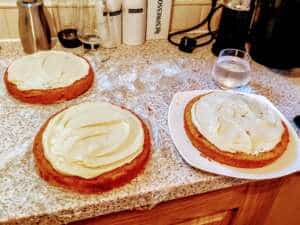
(33, 26)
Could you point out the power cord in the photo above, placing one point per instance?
(188, 44)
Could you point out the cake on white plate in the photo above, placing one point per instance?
(235, 129)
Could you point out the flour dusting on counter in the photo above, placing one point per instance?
(143, 79)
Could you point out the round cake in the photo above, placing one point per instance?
(92, 147)
(235, 129)
(47, 77)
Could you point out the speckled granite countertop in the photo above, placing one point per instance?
(143, 79)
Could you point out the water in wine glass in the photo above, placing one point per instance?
(231, 72)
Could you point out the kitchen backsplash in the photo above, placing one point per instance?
(185, 13)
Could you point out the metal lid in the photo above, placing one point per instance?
(238, 5)
(29, 3)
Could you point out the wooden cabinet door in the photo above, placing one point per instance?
(286, 207)
(223, 218)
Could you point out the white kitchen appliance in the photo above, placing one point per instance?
(109, 22)
(134, 21)
(158, 19)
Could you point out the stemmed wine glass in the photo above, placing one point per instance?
(90, 21)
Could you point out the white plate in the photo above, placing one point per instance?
(288, 163)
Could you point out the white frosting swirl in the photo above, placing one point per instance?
(92, 138)
(46, 70)
(237, 122)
